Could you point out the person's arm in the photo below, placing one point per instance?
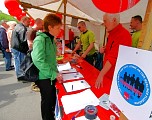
(102, 49)
(4, 40)
(88, 50)
(77, 46)
(106, 68)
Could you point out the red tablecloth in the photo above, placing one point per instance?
(90, 74)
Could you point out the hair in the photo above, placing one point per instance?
(24, 18)
(37, 20)
(137, 17)
(3, 21)
(111, 16)
(12, 24)
(52, 20)
(82, 23)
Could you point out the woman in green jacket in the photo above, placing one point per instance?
(44, 58)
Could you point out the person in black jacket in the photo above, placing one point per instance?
(4, 45)
(19, 42)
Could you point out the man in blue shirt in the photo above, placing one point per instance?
(4, 45)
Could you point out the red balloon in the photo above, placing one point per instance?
(32, 22)
(9, 4)
(60, 35)
(59, 15)
(15, 12)
(114, 6)
(20, 16)
(23, 13)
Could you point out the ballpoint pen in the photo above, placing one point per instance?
(73, 118)
(72, 87)
(79, 66)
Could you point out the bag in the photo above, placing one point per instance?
(28, 71)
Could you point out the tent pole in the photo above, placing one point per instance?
(27, 5)
(145, 40)
(65, 2)
(64, 26)
(25, 10)
(60, 5)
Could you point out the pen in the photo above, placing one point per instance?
(72, 87)
(105, 102)
(79, 66)
(73, 118)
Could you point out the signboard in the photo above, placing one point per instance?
(132, 83)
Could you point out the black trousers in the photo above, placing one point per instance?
(90, 59)
(48, 98)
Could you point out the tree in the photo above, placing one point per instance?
(4, 16)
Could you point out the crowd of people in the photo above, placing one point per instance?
(17, 39)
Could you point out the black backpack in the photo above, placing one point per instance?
(28, 71)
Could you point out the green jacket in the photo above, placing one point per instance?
(44, 56)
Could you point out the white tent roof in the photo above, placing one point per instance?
(83, 8)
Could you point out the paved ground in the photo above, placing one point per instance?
(17, 101)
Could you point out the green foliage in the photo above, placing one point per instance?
(4, 16)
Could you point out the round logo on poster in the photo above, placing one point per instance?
(133, 84)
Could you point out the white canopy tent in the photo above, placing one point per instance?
(81, 9)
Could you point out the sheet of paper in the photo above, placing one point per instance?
(104, 101)
(76, 85)
(65, 66)
(72, 76)
(83, 118)
(72, 70)
(75, 102)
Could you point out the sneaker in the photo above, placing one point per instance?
(22, 80)
(11, 68)
(35, 88)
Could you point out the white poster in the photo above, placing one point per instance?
(132, 83)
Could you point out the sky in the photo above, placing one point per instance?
(3, 8)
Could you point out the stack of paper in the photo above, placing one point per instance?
(75, 102)
(76, 85)
(65, 66)
(72, 70)
(104, 101)
(72, 76)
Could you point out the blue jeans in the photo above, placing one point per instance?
(8, 59)
(18, 58)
